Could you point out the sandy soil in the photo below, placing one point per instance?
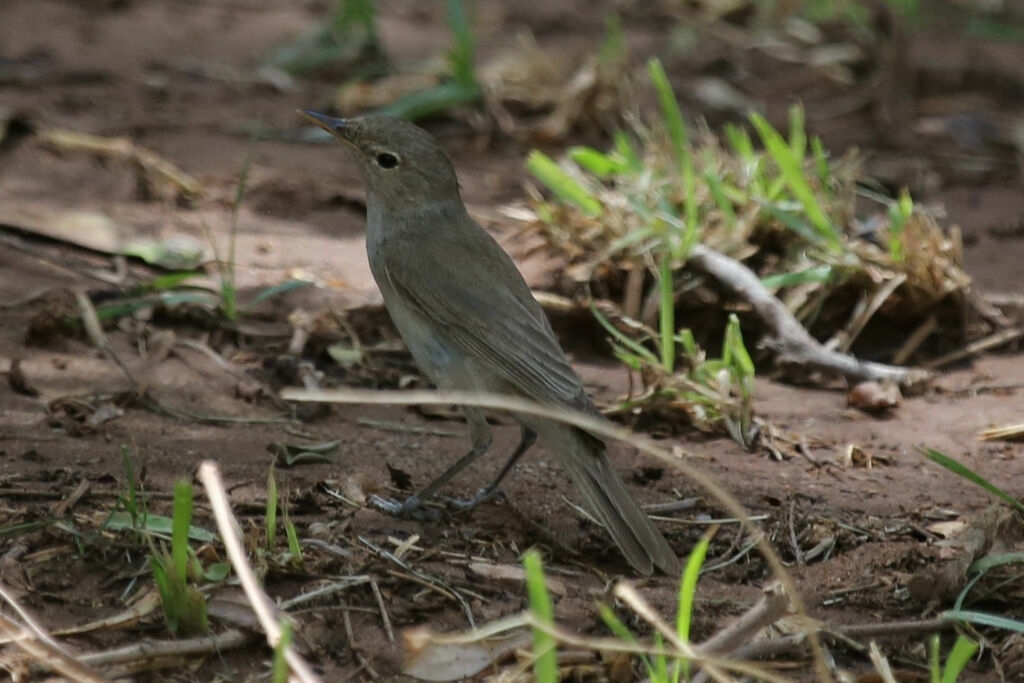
(136, 69)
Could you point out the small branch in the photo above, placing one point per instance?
(34, 640)
(788, 338)
(260, 601)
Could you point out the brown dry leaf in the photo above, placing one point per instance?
(512, 573)
(431, 656)
(100, 232)
(874, 397)
(950, 529)
(146, 605)
(123, 149)
(1004, 433)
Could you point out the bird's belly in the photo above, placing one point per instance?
(438, 358)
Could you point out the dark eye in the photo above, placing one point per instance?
(387, 160)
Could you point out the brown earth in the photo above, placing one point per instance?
(143, 69)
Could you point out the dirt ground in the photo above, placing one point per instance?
(145, 69)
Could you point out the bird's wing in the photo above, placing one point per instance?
(484, 307)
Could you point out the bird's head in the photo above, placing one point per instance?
(401, 164)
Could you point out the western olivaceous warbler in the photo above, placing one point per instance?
(471, 323)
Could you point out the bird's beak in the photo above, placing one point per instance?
(339, 128)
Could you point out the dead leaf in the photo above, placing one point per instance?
(512, 573)
(431, 656)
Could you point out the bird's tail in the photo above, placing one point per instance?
(607, 497)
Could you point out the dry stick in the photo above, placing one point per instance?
(974, 348)
(598, 427)
(209, 474)
(856, 325)
(916, 338)
(94, 330)
(158, 649)
(788, 338)
(363, 663)
(881, 664)
(34, 640)
(122, 149)
(628, 594)
(770, 608)
(425, 579)
(383, 610)
(619, 645)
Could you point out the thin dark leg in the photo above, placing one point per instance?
(412, 507)
(527, 439)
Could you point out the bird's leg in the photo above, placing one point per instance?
(412, 507)
(527, 439)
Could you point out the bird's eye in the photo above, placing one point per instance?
(387, 160)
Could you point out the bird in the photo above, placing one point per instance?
(471, 323)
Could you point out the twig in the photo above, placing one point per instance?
(974, 348)
(34, 640)
(770, 608)
(94, 330)
(881, 664)
(596, 426)
(856, 326)
(388, 555)
(122, 149)
(797, 553)
(154, 649)
(383, 610)
(363, 663)
(392, 426)
(788, 338)
(260, 601)
(323, 591)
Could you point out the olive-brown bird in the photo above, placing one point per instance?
(471, 323)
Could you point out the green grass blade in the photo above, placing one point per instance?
(776, 281)
(625, 149)
(158, 525)
(419, 105)
(797, 132)
(460, 57)
(984, 619)
(934, 667)
(667, 314)
(181, 525)
(620, 337)
(564, 186)
(600, 164)
(276, 290)
(792, 171)
(280, 670)
(968, 474)
(545, 657)
(687, 593)
(722, 201)
(963, 650)
(270, 516)
(669, 109)
(735, 353)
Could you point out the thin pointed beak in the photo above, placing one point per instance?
(335, 126)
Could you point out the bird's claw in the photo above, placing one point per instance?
(410, 508)
(484, 495)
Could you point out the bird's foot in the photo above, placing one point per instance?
(410, 508)
(482, 496)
